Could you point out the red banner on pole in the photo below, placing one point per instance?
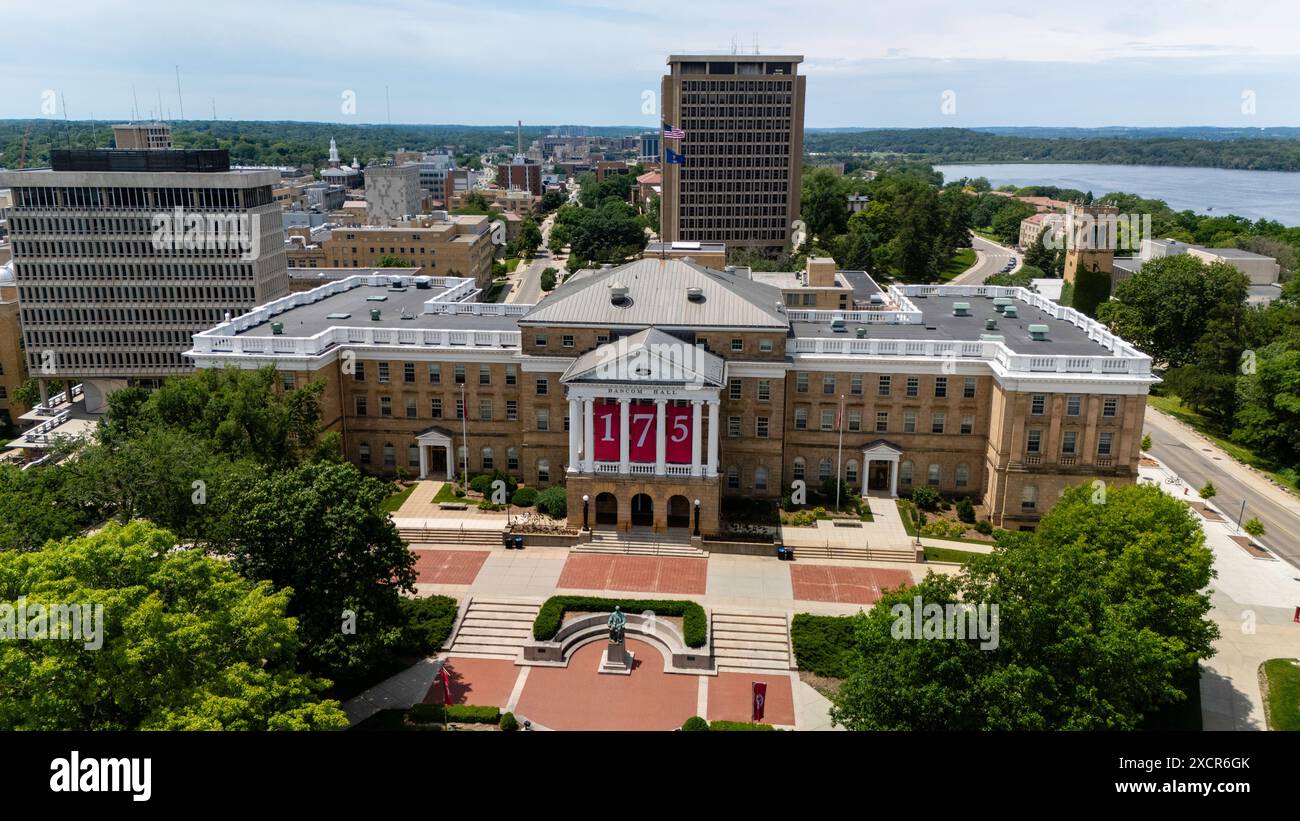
(1297, 615)
(605, 435)
(677, 439)
(760, 700)
(446, 686)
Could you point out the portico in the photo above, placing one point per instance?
(434, 443)
(884, 456)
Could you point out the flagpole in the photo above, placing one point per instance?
(839, 454)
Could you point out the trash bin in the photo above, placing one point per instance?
(507, 540)
(780, 552)
(789, 554)
(519, 543)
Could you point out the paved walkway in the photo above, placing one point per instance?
(395, 693)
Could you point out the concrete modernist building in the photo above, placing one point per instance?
(121, 256)
(392, 193)
(142, 136)
(743, 118)
(652, 385)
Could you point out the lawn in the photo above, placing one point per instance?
(393, 502)
(1281, 684)
(1174, 406)
(905, 510)
(948, 554)
(446, 493)
(963, 259)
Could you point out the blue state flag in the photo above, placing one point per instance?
(671, 157)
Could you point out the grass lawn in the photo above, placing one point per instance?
(963, 259)
(496, 291)
(948, 554)
(446, 493)
(392, 503)
(1174, 406)
(1281, 680)
(909, 524)
(988, 235)
(512, 263)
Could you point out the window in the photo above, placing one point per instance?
(360, 402)
(760, 427)
(932, 475)
(543, 386)
(485, 410)
(1028, 497)
(764, 390)
(855, 420)
(1103, 442)
(913, 387)
(828, 384)
(567, 340)
(733, 425)
(765, 346)
(905, 473)
(799, 467)
(940, 387)
(882, 386)
(512, 458)
(801, 382)
(435, 408)
(385, 406)
(360, 374)
(909, 422)
(851, 471)
(408, 372)
(512, 410)
(828, 419)
(734, 388)
(539, 341)
(1072, 405)
(801, 419)
(487, 458)
(460, 408)
(1037, 403)
(737, 344)
(543, 419)
(882, 421)
(364, 453)
(543, 470)
(963, 474)
(1109, 407)
(936, 423)
(824, 469)
(566, 422)
(1035, 441)
(484, 374)
(390, 455)
(288, 382)
(760, 478)
(435, 374)
(411, 411)
(1069, 439)
(460, 375)
(968, 388)
(855, 384)
(413, 456)
(968, 424)
(733, 478)
(512, 376)
(383, 373)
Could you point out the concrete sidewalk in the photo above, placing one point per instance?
(398, 692)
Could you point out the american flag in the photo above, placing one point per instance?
(673, 133)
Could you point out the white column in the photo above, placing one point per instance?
(624, 436)
(713, 438)
(661, 438)
(893, 477)
(451, 462)
(575, 434)
(695, 436)
(588, 435)
(424, 460)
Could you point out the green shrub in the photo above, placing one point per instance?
(925, 498)
(551, 616)
(487, 504)
(425, 714)
(984, 526)
(823, 644)
(739, 726)
(459, 713)
(1254, 527)
(509, 723)
(695, 724)
(1146, 441)
(553, 501)
(482, 483)
(940, 529)
(1208, 492)
(966, 511)
(524, 497)
(426, 624)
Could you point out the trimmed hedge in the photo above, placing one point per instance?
(509, 723)
(553, 501)
(550, 618)
(741, 726)
(695, 724)
(823, 644)
(426, 624)
(524, 497)
(459, 713)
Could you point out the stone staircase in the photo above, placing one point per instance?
(750, 641)
(641, 542)
(450, 536)
(880, 554)
(495, 627)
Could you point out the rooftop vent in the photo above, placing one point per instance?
(338, 316)
(277, 328)
(1038, 333)
(992, 338)
(1000, 304)
(837, 325)
(961, 309)
(423, 283)
(374, 314)
(862, 333)
(990, 324)
(376, 298)
(877, 299)
(695, 294)
(618, 294)
(1010, 312)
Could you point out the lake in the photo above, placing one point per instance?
(1271, 195)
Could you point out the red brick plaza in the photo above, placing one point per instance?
(649, 574)
(847, 585)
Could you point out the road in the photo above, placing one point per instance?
(992, 258)
(526, 282)
(1197, 461)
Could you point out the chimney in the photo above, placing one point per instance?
(821, 272)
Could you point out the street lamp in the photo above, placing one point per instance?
(697, 517)
(585, 500)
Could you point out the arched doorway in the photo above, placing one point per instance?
(679, 512)
(606, 509)
(643, 510)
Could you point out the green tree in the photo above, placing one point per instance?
(1208, 491)
(823, 203)
(1091, 288)
(530, 237)
(390, 261)
(1254, 527)
(186, 643)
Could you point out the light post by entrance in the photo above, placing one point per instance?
(697, 517)
(585, 500)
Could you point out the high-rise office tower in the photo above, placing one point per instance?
(743, 149)
(121, 255)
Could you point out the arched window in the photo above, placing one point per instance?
(543, 470)
(963, 474)
(905, 473)
(851, 471)
(512, 458)
(390, 455)
(733, 478)
(824, 469)
(364, 450)
(487, 458)
(1029, 497)
(932, 476)
(760, 478)
(799, 467)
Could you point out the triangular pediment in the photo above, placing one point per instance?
(649, 357)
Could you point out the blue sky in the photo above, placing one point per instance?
(870, 63)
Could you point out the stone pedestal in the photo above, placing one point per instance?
(617, 659)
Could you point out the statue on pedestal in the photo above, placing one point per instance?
(617, 622)
(617, 658)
